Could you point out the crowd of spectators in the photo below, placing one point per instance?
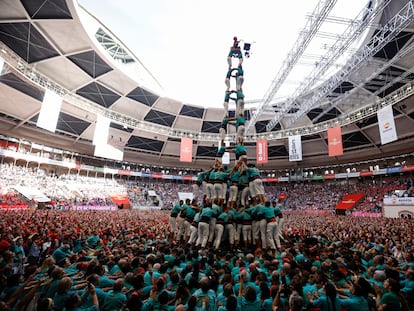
(125, 260)
(74, 190)
(130, 260)
(67, 189)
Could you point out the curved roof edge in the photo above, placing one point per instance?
(135, 69)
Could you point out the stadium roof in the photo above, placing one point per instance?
(46, 44)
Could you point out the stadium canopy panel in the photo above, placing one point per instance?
(48, 44)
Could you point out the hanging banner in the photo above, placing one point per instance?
(295, 148)
(335, 141)
(225, 159)
(386, 125)
(261, 151)
(100, 136)
(49, 111)
(186, 150)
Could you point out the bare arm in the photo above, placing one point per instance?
(20, 290)
(276, 300)
(241, 287)
(92, 292)
(28, 297)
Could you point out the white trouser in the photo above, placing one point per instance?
(279, 232)
(173, 225)
(209, 191)
(233, 193)
(244, 195)
(203, 230)
(187, 226)
(255, 230)
(247, 233)
(218, 235)
(181, 227)
(271, 232)
(262, 226)
(218, 191)
(193, 234)
(230, 232)
(212, 228)
(196, 189)
(237, 232)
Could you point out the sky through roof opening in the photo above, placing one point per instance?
(184, 43)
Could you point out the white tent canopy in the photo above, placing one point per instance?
(32, 193)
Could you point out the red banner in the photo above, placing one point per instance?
(261, 151)
(408, 168)
(335, 141)
(124, 172)
(186, 150)
(350, 200)
(329, 176)
(269, 179)
(120, 200)
(282, 197)
(9, 145)
(366, 173)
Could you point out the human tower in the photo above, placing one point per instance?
(243, 179)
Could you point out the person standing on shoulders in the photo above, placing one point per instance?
(279, 217)
(173, 218)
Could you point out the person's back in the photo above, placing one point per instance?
(327, 302)
(355, 302)
(115, 297)
(231, 304)
(249, 301)
(296, 302)
(205, 293)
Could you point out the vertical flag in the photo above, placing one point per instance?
(100, 140)
(100, 136)
(335, 141)
(110, 152)
(261, 151)
(295, 148)
(49, 111)
(186, 150)
(225, 159)
(386, 125)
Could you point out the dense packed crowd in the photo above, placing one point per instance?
(73, 190)
(128, 260)
(219, 251)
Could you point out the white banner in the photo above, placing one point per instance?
(399, 201)
(295, 148)
(100, 136)
(49, 111)
(225, 159)
(185, 195)
(109, 152)
(386, 125)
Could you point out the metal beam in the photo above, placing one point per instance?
(20, 67)
(311, 28)
(386, 34)
(402, 53)
(371, 108)
(350, 35)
